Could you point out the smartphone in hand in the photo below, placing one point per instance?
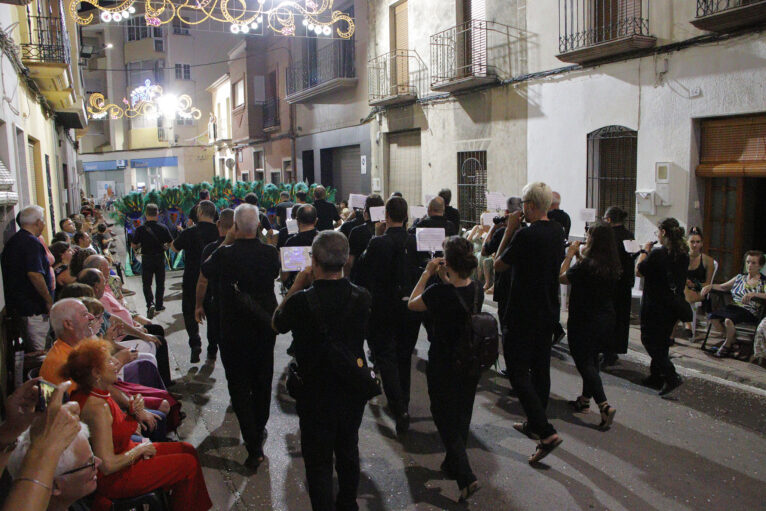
(45, 391)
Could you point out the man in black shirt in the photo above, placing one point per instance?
(282, 207)
(252, 198)
(559, 215)
(436, 218)
(192, 241)
(245, 269)
(307, 223)
(327, 213)
(204, 195)
(452, 214)
(356, 219)
(330, 413)
(153, 239)
(206, 302)
(533, 256)
(361, 235)
(387, 269)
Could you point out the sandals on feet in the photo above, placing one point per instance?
(469, 490)
(607, 416)
(581, 404)
(523, 428)
(544, 450)
(723, 352)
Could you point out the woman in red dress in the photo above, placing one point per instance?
(129, 468)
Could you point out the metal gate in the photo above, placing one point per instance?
(471, 186)
(611, 181)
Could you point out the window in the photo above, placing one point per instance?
(159, 45)
(471, 186)
(139, 72)
(183, 72)
(611, 181)
(180, 121)
(137, 29)
(276, 176)
(258, 160)
(287, 168)
(179, 28)
(239, 93)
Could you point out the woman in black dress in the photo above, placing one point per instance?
(623, 291)
(664, 270)
(452, 392)
(591, 312)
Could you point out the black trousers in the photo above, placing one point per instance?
(452, 396)
(393, 337)
(622, 302)
(213, 326)
(656, 340)
(586, 361)
(188, 302)
(530, 374)
(329, 425)
(153, 267)
(248, 361)
(163, 360)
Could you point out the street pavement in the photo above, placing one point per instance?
(701, 449)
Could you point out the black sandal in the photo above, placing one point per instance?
(544, 450)
(581, 404)
(523, 428)
(607, 416)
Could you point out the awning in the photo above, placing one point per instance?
(735, 169)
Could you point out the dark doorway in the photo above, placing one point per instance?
(325, 163)
(308, 166)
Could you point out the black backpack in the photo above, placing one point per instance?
(477, 347)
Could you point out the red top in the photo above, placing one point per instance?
(123, 427)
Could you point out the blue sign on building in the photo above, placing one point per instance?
(95, 166)
(165, 161)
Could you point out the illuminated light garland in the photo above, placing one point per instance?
(280, 18)
(146, 100)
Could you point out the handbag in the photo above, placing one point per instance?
(294, 383)
(352, 371)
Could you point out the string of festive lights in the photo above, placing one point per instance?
(147, 100)
(280, 17)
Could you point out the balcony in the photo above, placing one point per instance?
(271, 115)
(46, 54)
(329, 69)
(470, 55)
(595, 30)
(726, 16)
(395, 78)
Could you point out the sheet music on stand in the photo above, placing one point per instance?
(292, 226)
(417, 212)
(496, 201)
(631, 246)
(295, 258)
(430, 239)
(488, 219)
(378, 214)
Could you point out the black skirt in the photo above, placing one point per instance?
(735, 313)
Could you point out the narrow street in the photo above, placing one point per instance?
(702, 449)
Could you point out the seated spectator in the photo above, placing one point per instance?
(700, 274)
(61, 236)
(744, 288)
(50, 434)
(129, 468)
(75, 474)
(62, 256)
(83, 240)
(485, 272)
(78, 259)
(102, 240)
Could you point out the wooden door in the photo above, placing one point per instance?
(724, 221)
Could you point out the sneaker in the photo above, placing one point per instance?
(671, 385)
(195, 353)
(160, 308)
(150, 312)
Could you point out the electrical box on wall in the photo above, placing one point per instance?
(662, 182)
(662, 194)
(645, 202)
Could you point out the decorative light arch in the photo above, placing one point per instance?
(147, 100)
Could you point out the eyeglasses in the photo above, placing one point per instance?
(91, 463)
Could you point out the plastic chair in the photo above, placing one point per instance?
(744, 336)
(698, 305)
(155, 501)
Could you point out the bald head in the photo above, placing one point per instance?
(97, 262)
(436, 207)
(246, 221)
(556, 200)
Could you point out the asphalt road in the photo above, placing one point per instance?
(703, 449)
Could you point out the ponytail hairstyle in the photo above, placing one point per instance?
(674, 234)
(601, 251)
(616, 215)
(458, 253)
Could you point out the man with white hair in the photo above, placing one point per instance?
(327, 214)
(75, 475)
(244, 269)
(559, 215)
(28, 291)
(533, 255)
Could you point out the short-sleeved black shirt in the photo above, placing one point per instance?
(152, 245)
(23, 253)
(534, 254)
(562, 218)
(282, 209)
(265, 224)
(193, 214)
(310, 350)
(349, 225)
(253, 265)
(591, 305)
(453, 215)
(192, 241)
(357, 243)
(282, 237)
(656, 303)
(327, 214)
(450, 229)
(448, 316)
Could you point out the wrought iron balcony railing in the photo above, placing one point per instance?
(585, 23)
(708, 7)
(476, 49)
(395, 77)
(330, 62)
(271, 113)
(48, 42)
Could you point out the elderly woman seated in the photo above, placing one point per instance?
(744, 288)
(129, 468)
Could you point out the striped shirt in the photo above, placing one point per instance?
(741, 288)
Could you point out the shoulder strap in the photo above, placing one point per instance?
(477, 295)
(464, 304)
(152, 234)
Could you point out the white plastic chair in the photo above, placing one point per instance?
(698, 305)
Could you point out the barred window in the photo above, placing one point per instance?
(471, 186)
(611, 178)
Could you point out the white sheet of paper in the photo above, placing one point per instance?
(356, 200)
(417, 212)
(292, 226)
(588, 215)
(631, 246)
(378, 214)
(295, 258)
(496, 201)
(429, 239)
(428, 199)
(486, 218)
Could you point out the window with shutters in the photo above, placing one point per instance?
(183, 72)
(733, 146)
(611, 177)
(471, 186)
(239, 93)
